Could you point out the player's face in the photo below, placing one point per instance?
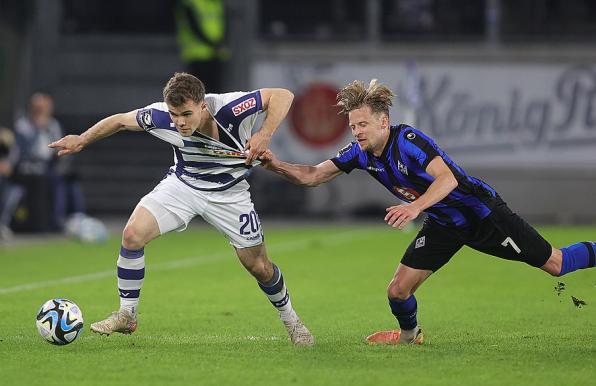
(370, 129)
(187, 117)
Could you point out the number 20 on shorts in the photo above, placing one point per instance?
(249, 223)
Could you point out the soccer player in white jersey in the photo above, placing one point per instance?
(214, 148)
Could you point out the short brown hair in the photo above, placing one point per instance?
(355, 95)
(183, 87)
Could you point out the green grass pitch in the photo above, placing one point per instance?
(204, 321)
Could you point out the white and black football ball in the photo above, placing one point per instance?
(59, 321)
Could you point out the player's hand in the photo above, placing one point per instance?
(256, 146)
(400, 215)
(267, 159)
(68, 145)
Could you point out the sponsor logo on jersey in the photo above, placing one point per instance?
(375, 169)
(344, 149)
(243, 106)
(408, 194)
(402, 168)
(420, 241)
(146, 120)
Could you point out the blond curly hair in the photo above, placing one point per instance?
(355, 95)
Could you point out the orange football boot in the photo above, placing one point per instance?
(392, 337)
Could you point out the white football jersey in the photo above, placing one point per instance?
(200, 161)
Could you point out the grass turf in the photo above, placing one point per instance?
(203, 319)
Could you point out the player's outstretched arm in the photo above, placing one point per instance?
(305, 175)
(75, 143)
(277, 102)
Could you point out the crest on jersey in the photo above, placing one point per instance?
(344, 149)
(146, 120)
(402, 168)
(410, 135)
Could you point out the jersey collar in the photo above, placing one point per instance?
(392, 133)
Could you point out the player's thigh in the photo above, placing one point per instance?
(506, 235)
(433, 247)
(235, 217)
(172, 204)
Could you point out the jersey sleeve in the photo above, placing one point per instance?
(239, 104)
(154, 116)
(419, 147)
(347, 158)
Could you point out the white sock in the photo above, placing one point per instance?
(277, 293)
(131, 273)
(407, 336)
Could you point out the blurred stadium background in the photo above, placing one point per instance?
(507, 87)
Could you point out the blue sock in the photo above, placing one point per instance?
(578, 256)
(405, 312)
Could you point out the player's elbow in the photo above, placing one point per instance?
(311, 183)
(287, 94)
(451, 181)
(312, 180)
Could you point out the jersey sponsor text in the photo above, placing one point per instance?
(243, 106)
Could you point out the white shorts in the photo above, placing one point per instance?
(231, 211)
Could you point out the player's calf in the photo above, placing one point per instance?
(577, 256)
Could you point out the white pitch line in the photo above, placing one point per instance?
(186, 262)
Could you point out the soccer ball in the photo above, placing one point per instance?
(59, 321)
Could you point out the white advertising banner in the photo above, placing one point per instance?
(483, 115)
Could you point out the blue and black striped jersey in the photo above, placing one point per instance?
(401, 168)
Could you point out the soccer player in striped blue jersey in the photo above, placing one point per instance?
(461, 210)
(214, 149)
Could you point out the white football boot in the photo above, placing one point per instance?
(119, 321)
(299, 334)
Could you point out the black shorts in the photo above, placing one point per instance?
(502, 233)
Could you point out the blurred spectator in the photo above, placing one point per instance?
(51, 187)
(201, 30)
(10, 193)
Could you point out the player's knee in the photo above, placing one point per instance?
(132, 238)
(552, 268)
(554, 264)
(397, 290)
